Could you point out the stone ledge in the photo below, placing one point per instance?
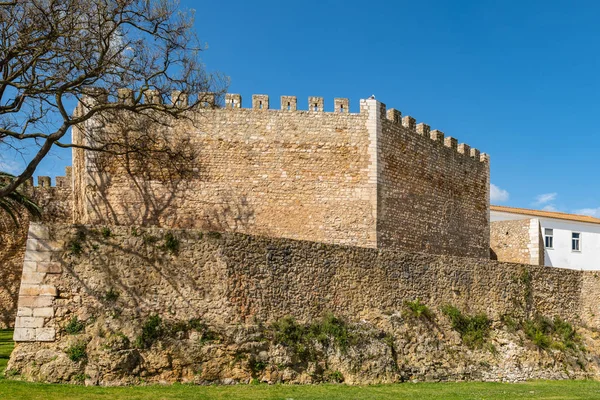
(49, 267)
(43, 245)
(37, 290)
(24, 335)
(38, 231)
(35, 301)
(29, 322)
(45, 334)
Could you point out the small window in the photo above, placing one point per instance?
(576, 241)
(289, 106)
(549, 238)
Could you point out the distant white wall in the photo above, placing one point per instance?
(561, 254)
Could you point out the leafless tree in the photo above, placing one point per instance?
(57, 53)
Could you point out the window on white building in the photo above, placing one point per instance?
(576, 241)
(549, 238)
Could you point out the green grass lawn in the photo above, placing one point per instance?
(529, 390)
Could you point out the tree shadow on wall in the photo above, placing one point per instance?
(138, 270)
(154, 176)
(12, 250)
(145, 173)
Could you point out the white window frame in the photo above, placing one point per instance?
(578, 250)
(546, 236)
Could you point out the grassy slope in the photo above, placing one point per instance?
(531, 390)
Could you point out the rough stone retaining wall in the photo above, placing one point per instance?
(233, 278)
(110, 281)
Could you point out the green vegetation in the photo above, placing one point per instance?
(151, 331)
(171, 243)
(557, 334)
(327, 331)
(418, 310)
(77, 352)
(474, 330)
(14, 202)
(214, 235)
(106, 232)
(149, 239)
(74, 326)
(75, 245)
(542, 390)
(6, 347)
(111, 295)
(155, 328)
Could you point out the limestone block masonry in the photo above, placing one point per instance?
(369, 179)
(35, 313)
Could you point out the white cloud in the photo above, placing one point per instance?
(592, 212)
(498, 195)
(12, 167)
(549, 207)
(545, 198)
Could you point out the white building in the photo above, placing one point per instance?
(570, 240)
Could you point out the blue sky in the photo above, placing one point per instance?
(518, 80)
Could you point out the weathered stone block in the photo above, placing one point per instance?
(43, 245)
(24, 335)
(49, 267)
(35, 301)
(29, 322)
(30, 266)
(30, 277)
(45, 312)
(37, 290)
(37, 256)
(38, 231)
(45, 334)
(24, 312)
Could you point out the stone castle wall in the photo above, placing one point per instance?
(517, 241)
(335, 177)
(56, 203)
(118, 278)
(433, 194)
(280, 173)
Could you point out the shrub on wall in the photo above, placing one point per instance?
(474, 330)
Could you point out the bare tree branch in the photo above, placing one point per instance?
(56, 53)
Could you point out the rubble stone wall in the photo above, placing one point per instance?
(518, 241)
(108, 283)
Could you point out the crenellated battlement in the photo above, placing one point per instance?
(395, 117)
(45, 182)
(261, 102)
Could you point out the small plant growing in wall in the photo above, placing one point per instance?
(418, 310)
(106, 233)
(557, 334)
(149, 239)
(474, 330)
(77, 352)
(152, 330)
(334, 376)
(75, 245)
(74, 326)
(171, 243)
(255, 366)
(111, 295)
